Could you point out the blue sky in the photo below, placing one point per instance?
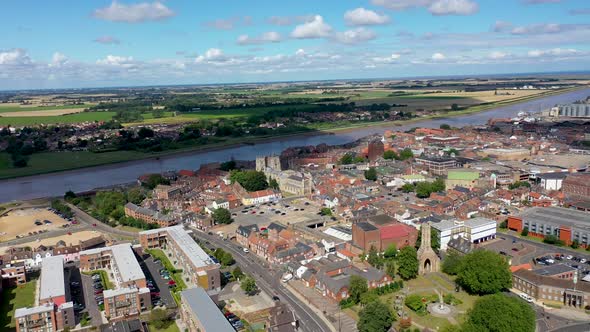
(92, 43)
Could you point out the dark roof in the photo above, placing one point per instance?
(461, 245)
(381, 219)
(540, 280)
(555, 175)
(247, 230)
(275, 226)
(365, 226)
(282, 319)
(552, 270)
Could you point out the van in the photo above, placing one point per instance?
(287, 277)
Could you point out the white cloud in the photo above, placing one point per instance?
(555, 52)
(501, 26)
(230, 23)
(315, 28)
(497, 55)
(212, 54)
(388, 59)
(134, 13)
(438, 57)
(108, 40)
(538, 2)
(537, 29)
(401, 4)
(362, 16)
(267, 37)
(115, 60)
(58, 60)
(453, 7)
(300, 52)
(355, 36)
(15, 56)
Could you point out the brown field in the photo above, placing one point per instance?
(21, 222)
(42, 113)
(68, 239)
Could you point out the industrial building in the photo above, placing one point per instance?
(474, 230)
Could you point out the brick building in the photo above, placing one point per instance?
(546, 289)
(149, 216)
(375, 150)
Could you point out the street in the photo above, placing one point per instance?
(268, 281)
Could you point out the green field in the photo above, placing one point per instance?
(12, 298)
(69, 118)
(5, 109)
(171, 328)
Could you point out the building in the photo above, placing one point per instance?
(574, 110)
(200, 313)
(54, 312)
(261, 197)
(505, 154)
(552, 181)
(375, 150)
(365, 236)
(167, 192)
(559, 271)
(120, 260)
(296, 183)
(474, 230)
(195, 262)
(547, 289)
(127, 302)
(148, 215)
(13, 275)
(577, 185)
(272, 162)
(437, 166)
(428, 260)
(380, 232)
(465, 178)
(281, 319)
(567, 225)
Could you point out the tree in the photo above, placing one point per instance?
(135, 195)
(390, 155)
(369, 297)
(228, 165)
(273, 184)
(371, 174)
(347, 159)
(237, 273)
(552, 239)
(408, 263)
(248, 285)
(326, 211)
(145, 132)
(454, 107)
(159, 319)
(222, 216)
(224, 257)
(249, 180)
(375, 317)
(423, 189)
(484, 272)
(406, 154)
(357, 287)
(500, 313)
(575, 244)
(154, 180)
(408, 188)
(451, 263)
(525, 231)
(390, 269)
(445, 126)
(374, 259)
(390, 252)
(69, 195)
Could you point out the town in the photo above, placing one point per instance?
(312, 238)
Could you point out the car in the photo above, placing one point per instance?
(93, 225)
(245, 250)
(100, 291)
(233, 319)
(171, 282)
(526, 298)
(282, 214)
(157, 261)
(100, 302)
(583, 260)
(569, 257)
(307, 203)
(154, 294)
(95, 276)
(261, 212)
(230, 316)
(275, 298)
(515, 249)
(549, 261)
(75, 283)
(237, 325)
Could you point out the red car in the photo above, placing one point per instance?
(75, 222)
(155, 293)
(229, 313)
(99, 291)
(94, 225)
(171, 282)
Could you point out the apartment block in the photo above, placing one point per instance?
(195, 262)
(124, 303)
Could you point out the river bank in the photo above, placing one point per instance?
(52, 162)
(84, 179)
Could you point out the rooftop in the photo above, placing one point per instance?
(125, 261)
(21, 312)
(52, 278)
(552, 270)
(204, 309)
(558, 216)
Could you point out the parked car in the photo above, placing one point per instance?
(245, 250)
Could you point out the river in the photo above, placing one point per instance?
(56, 184)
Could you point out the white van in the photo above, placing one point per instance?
(287, 277)
(526, 298)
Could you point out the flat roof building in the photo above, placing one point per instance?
(195, 262)
(120, 259)
(474, 230)
(200, 313)
(52, 287)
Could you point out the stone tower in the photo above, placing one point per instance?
(428, 260)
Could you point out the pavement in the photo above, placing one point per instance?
(268, 280)
(152, 271)
(90, 302)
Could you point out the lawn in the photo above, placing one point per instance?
(5, 109)
(12, 298)
(171, 328)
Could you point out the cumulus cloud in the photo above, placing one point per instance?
(58, 59)
(314, 28)
(557, 52)
(453, 7)
(438, 56)
(362, 16)
(300, 52)
(267, 37)
(501, 26)
(117, 61)
(107, 40)
(211, 55)
(401, 4)
(537, 29)
(394, 57)
(15, 56)
(134, 13)
(355, 36)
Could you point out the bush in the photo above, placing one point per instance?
(416, 304)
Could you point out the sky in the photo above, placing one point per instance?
(98, 43)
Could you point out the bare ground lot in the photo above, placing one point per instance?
(22, 222)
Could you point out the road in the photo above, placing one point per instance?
(268, 281)
(85, 218)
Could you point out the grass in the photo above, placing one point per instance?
(171, 328)
(6, 109)
(129, 229)
(69, 118)
(12, 298)
(85, 319)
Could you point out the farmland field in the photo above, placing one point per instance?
(70, 118)
(29, 108)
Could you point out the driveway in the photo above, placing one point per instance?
(90, 302)
(152, 271)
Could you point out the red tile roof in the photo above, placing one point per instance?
(396, 231)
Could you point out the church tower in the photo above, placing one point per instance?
(428, 260)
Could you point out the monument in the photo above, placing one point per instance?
(427, 259)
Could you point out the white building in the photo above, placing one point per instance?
(552, 181)
(475, 230)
